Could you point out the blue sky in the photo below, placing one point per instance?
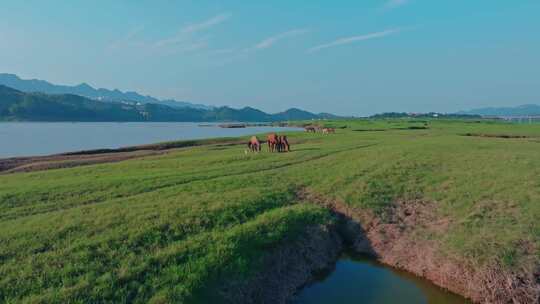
(345, 57)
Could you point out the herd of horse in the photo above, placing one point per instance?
(317, 129)
(280, 143)
(276, 143)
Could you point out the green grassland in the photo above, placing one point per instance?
(166, 228)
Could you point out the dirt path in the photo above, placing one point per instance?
(100, 156)
(92, 157)
(27, 164)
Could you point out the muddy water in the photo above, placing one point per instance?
(361, 280)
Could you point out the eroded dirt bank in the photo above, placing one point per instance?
(394, 241)
(288, 268)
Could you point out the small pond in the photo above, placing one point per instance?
(361, 280)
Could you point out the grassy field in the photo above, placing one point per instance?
(168, 227)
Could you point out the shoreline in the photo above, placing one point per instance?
(44, 140)
(99, 156)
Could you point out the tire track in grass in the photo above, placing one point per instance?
(54, 208)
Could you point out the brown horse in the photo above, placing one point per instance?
(328, 130)
(310, 129)
(272, 140)
(254, 144)
(283, 144)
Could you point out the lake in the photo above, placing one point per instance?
(357, 279)
(39, 138)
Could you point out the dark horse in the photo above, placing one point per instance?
(254, 144)
(283, 144)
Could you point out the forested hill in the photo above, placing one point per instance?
(20, 106)
(83, 89)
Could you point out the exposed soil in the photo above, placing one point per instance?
(395, 241)
(99, 156)
(288, 268)
(38, 163)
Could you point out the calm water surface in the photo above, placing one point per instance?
(36, 138)
(360, 280)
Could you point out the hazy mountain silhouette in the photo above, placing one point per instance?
(16, 105)
(523, 110)
(85, 90)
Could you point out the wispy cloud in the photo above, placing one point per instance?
(126, 40)
(206, 24)
(395, 3)
(186, 33)
(268, 42)
(348, 40)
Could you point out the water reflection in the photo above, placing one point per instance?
(358, 279)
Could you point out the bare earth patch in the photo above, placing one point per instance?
(288, 268)
(39, 163)
(394, 239)
(100, 156)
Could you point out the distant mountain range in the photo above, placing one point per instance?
(16, 105)
(85, 90)
(523, 110)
